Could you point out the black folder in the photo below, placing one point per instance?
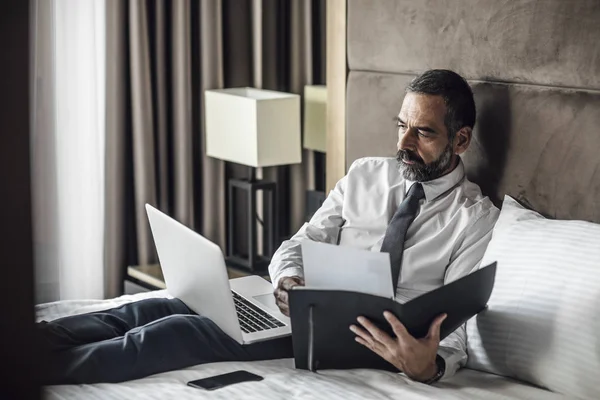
(321, 319)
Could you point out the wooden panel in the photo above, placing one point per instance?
(336, 92)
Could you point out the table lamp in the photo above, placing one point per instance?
(315, 138)
(257, 128)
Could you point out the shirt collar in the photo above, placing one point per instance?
(435, 188)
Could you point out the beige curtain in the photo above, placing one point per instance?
(162, 55)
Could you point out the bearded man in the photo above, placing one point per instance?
(420, 208)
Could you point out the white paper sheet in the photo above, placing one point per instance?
(333, 267)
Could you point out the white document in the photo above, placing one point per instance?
(327, 266)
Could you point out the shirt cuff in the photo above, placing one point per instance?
(452, 359)
(289, 271)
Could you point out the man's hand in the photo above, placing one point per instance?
(281, 293)
(414, 357)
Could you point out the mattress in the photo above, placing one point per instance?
(281, 380)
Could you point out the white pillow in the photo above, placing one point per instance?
(542, 324)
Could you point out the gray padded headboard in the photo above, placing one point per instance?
(534, 66)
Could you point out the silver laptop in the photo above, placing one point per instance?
(195, 272)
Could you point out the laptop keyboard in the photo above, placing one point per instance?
(252, 318)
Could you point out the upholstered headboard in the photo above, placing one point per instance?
(534, 66)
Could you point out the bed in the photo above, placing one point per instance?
(281, 381)
(536, 138)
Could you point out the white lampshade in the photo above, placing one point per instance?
(315, 117)
(254, 127)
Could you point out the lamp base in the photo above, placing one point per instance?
(252, 261)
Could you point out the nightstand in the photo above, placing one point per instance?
(147, 276)
(151, 277)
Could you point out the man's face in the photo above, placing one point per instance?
(424, 150)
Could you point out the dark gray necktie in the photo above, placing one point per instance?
(393, 241)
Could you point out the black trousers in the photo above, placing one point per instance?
(140, 339)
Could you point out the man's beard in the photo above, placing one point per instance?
(421, 172)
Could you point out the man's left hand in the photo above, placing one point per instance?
(414, 357)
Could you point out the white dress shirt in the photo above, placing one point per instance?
(446, 240)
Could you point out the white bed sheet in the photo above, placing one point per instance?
(281, 381)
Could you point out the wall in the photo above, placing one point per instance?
(18, 350)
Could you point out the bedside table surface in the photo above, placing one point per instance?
(152, 274)
(149, 274)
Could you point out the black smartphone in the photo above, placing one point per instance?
(219, 381)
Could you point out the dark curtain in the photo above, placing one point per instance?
(161, 56)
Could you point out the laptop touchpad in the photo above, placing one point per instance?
(267, 300)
